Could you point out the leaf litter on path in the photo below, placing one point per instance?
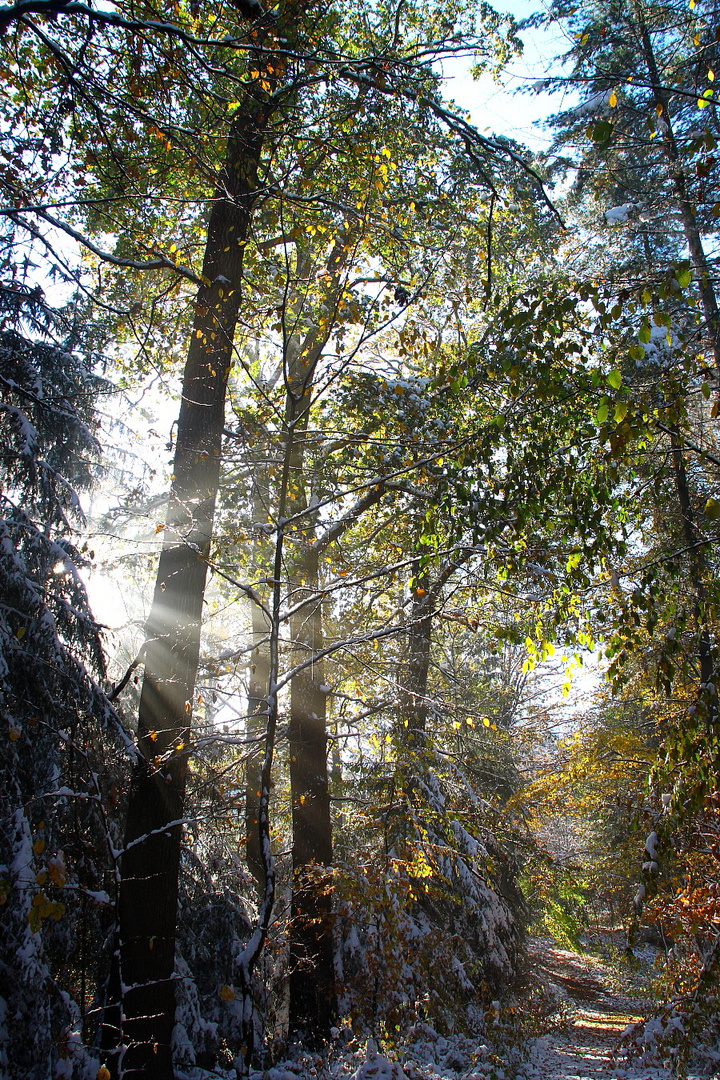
(597, 1014)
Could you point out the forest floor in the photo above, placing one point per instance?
(566, 1024)
(597, 1006)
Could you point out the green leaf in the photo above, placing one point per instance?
(644, 334)
(602, 131)
(684, 277)
(614, 379)
(602, 414)
(705, 388)
(620, 412)
(712, 509)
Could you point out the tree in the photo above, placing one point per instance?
(626, 115)
(64, 743)
(642, 143)
(322, 230)
(315, 319)
(275, 80)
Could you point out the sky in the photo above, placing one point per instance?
(499, 107)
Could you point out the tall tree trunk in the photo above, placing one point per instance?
(311, 983)
(414, 709)
(257, 681)
(312, 977)
(699, 565)
(139, 1018)
(699, 571)
(312, 980)
(691, 229)
(413, 746)
(414, 704)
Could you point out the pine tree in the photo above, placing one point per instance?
(61, 733)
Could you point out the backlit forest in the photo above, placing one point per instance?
(359, 493)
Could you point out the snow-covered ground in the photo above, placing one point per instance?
(587, 1015)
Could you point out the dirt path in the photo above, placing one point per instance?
(597, 1015)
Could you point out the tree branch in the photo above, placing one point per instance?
(162, 262)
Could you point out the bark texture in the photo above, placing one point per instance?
(698, 561)
(258, 681)
(139, 1018)
(312, 977)
(419, 643)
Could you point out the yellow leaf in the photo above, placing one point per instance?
(20, 633)
(227, 993)
(103, 1073)
(39, 846)
(159, 528)
(712, 509)
(612, 100)
(58, 871)
(711, 75)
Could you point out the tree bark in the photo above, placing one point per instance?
(698, 562)
(257, 685)
(415, 703)
(312, 975)
(139, 1017)
(691, 229)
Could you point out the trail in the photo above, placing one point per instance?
(597, 1014)
(587, 1005)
